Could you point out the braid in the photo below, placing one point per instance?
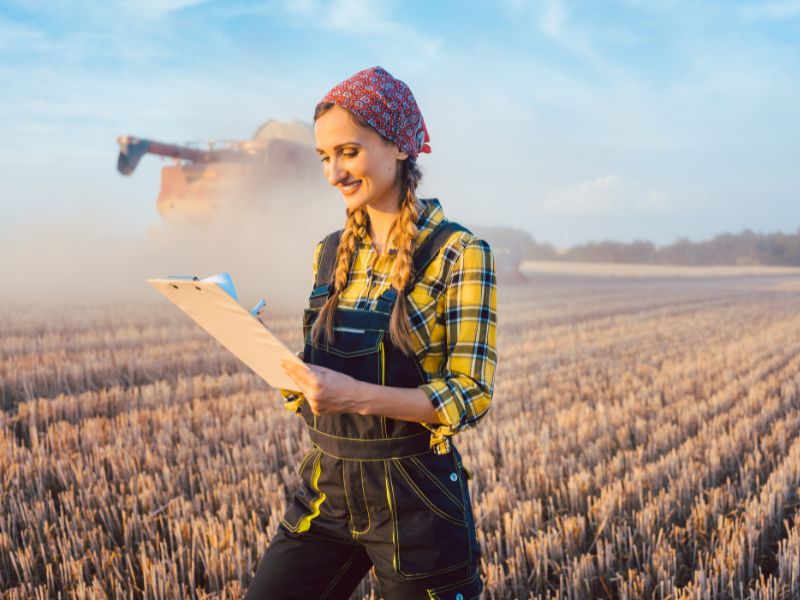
(355, 226)
(405, 233)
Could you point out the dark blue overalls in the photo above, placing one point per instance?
(373, 492)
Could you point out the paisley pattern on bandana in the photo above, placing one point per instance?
(387, 104)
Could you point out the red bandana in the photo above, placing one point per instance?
(387, 104)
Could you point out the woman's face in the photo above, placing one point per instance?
(358, 161)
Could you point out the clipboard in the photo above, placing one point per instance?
(212, 304)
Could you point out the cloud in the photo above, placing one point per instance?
(606, 195)
(775, 10)
(156, 9)
(15, 35)
(554, 17)
(361, 18)
(520, 107)
(514, 6)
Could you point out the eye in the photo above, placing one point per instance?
(349, 153)
(324, 158)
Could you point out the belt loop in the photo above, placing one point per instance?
(440, 444)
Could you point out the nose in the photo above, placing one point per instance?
(335, 172)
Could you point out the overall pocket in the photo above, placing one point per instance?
(468, 589)
(431, 533)
(306, 501)
(355, 351)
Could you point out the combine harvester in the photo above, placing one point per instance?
(228, 189)
(205, 181)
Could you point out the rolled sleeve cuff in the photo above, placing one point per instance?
(460, 405)
(441, 397)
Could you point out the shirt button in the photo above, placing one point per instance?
(453, 477)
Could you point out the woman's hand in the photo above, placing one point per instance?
(330, 392)
(327, 392)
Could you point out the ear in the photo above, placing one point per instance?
(401, 155)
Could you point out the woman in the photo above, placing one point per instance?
(400, 355)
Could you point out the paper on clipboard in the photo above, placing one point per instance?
(215, 310)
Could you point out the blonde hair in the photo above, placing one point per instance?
(403, 232)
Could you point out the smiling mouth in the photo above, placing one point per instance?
(350, 187)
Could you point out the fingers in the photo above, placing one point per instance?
(302, 375)
(295, 368)
(297, 365)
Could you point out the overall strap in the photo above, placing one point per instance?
(430, 248)
(423, 256)
(327, 260)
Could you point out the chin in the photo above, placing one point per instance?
(355, 202)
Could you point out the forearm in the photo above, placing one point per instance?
(406, 404)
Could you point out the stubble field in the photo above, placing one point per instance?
(643, 442)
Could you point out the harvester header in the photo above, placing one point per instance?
(132, 149)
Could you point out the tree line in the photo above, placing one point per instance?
(745, 248)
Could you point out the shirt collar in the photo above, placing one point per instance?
(431, 215)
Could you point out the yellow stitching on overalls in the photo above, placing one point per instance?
(432, 477)
(338, 576)
(383, 365)
(347, 500)
(355, 353)
(303, 463)
(391, 512)
(366, 504)
(434, 593)
(305, 460)
(305, 521)
(354, 531)
(375, 440)
(373, 459)
(384, 430)
(424, 498)
(395, 538)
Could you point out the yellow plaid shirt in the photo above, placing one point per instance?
(453, 314)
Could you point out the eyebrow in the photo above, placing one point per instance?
(342, 145)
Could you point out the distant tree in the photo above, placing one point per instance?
(638, 251)
(744, 248)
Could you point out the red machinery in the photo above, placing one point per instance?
(203, 181)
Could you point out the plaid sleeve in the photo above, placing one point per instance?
(293, 400)
(462, 391)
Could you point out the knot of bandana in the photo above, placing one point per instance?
(387, 105)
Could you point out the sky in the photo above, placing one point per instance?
(575, 121)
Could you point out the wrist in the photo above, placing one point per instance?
(361, 403)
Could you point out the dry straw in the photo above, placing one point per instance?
(644, 442)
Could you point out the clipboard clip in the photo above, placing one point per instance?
(223, 280)
(258, 308)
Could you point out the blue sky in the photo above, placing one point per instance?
(573, 120)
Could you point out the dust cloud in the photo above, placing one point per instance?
(267, 247)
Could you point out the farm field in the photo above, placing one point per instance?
(643, 442)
